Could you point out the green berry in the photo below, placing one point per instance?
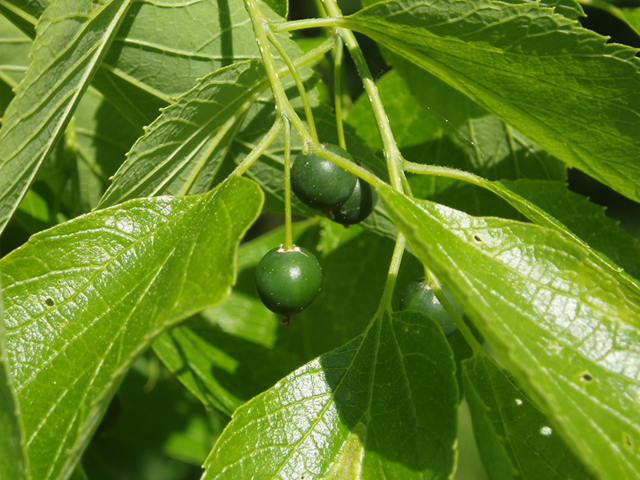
(319, 183)
(288, 280)
(419, 296)
(358, 206)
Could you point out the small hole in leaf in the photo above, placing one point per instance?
(586, 376)
(49, 302)
(477, 238)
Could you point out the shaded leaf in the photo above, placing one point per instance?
(383, 405)
(582, 109)
(86, 297)
(563, 324)
(70, 44)
(513, 436)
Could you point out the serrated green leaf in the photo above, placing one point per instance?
(563, 324)
(177, 154)
(584, 219)
(381, 406)
(72, 39)
(86, 297)
(583, 108)
(513, 436)
(12, 453)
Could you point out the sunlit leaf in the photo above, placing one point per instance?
(566, 326)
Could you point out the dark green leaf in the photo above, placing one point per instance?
(566, 326)
(514, 437)
(583, 109)
(381, 406)
(85, 298)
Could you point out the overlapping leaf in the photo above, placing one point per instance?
(71, 41)
(182, 150)
(84, 298)
(381, 406)
(12, 453)
(561, 85)
(513, 436)
(566, 326)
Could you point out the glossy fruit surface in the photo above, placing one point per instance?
(319, 183)
(420, 297)
(287, 281)
(358, 206)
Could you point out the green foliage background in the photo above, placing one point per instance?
(126, 283)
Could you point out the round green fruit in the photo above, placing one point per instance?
(420, 297)
(319, 183)
(287, 280)
(358, 206)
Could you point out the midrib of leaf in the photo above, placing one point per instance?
(19, 165)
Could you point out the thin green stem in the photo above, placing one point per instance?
(447, 172)
(303, 24)
(390, 147)
(348, 165)
(338, 55)
(299, 83)
(457, 319)
(288, 236)
(259, 149)
(394, 267)
(260, 26)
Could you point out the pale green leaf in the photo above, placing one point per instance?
(411, 123)
(72, 38)
(381, 406)
(12, 453)
(559, 84)
(563, 324)
(486, 145)
(513, 436)
(86, 297)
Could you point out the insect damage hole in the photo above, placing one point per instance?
(49, 302)
(477, 238)
(627, 440)
(586, 377)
